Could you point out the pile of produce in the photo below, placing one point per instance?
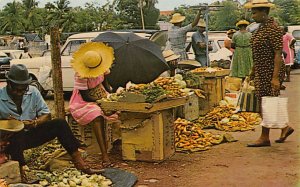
(223, 118)
(3, 183)
(172, 85)
(192, 80)
(189, 137)
(40, 157)
(161, 88)
(152, 92)
(68, 178)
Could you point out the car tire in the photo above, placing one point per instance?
(36, 84)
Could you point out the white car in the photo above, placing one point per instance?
(215, 38)
(40, 67)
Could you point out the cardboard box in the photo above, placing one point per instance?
(148, 136)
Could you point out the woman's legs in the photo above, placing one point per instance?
(288, 72)
(98, 128)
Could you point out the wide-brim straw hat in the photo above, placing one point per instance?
(92, 59)
(242, 22)
(11, 125)
(177, 18)
(190, 62)
(259, 3)
(201, 23)
(231, 31)
(169, 55)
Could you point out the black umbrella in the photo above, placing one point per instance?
(137, 59)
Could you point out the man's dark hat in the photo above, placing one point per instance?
(18, 74)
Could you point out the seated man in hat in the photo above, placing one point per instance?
(199, 43)
(177, 34)
(22, 102)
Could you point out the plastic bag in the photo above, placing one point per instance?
(247, 101)
(275, 112)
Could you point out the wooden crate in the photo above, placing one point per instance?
(147, 136)
(215, 91)
(190, 110)
(142, 107)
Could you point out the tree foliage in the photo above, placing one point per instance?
(23, 16)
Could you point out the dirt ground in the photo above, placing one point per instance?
(230, 164)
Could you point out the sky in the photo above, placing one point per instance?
(162, 4)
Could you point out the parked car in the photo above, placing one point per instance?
(297, 54)
(13, 54)
(215, 38)
(40, 67)
(4, 64)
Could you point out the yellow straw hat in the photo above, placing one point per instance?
(92, 59)
(230, 31)
(242, 22)
(11, 125)
(169, 55)
(177, 18)
(259, 3)
(201, 23)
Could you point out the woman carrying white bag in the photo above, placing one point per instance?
(268, 72)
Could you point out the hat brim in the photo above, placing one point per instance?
(190, 62)
(106, 53)
(11, 125)
(28, 81)
(178, 20)
(172, 57)
(259, 5)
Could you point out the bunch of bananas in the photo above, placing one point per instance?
(191, 138)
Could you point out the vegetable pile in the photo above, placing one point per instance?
(189, 137)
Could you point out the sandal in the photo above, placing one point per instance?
(260, 144)
(282, 139)
(107, 164)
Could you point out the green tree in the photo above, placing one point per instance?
(60, 14)
(11, 19)
(226, 17)
(287, 11)
(130, 14)
(32, 19)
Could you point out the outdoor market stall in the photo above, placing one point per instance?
(211, 81)
(147, 115)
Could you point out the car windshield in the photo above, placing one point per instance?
(72, 46)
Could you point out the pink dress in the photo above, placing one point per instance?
(287, 39)
(85, 112)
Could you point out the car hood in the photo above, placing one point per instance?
(32, 63)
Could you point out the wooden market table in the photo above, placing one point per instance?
(147, 129)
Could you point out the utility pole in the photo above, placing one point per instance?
(141, 4)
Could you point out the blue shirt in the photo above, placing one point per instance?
(33, 105)
(200, 53)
